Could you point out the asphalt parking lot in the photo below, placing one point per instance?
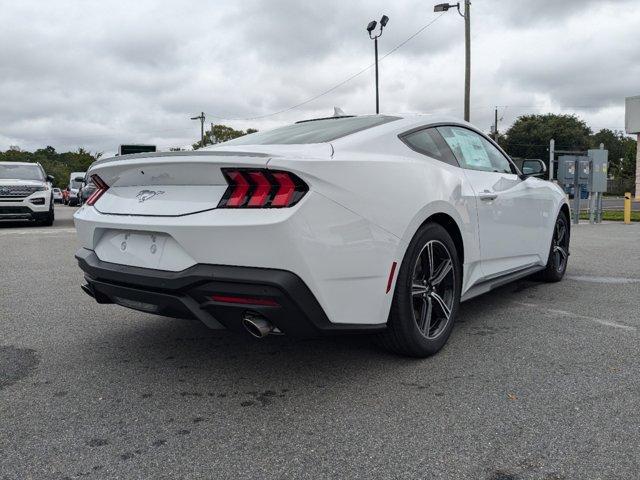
(537, 381)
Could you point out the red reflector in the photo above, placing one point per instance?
(285, 191)
(391, 274)
(267, 302)
(101, 187)
(241, 187)
(260, 194)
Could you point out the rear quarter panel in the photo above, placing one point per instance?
(395, 189)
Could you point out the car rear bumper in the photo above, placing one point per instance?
(290, 304)
(341, 257)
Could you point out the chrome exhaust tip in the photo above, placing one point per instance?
(257, 326)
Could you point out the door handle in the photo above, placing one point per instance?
(487, 196)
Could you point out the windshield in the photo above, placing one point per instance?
(21, 172)
(313, 131)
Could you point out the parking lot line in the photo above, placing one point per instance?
(565, 313)
(597, 279)
(38, 231)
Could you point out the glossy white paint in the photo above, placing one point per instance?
(514, 218)
(369, 193)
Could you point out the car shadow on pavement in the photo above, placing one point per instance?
(180, 372)
(19, 224)
(58, 222)
(179, 346)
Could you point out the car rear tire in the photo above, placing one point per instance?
(427, 295)
(558, 252)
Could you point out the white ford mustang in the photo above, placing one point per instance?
(374, 224)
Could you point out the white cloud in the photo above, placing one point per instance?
(99, 73)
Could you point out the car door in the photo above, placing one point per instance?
(510, 211)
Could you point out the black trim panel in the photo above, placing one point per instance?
(188, 294)
(495, 282)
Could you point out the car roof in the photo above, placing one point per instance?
(404, 122)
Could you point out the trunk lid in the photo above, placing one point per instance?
(167, 184)
(181, 183)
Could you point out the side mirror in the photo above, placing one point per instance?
(533, 168)
(50, 178)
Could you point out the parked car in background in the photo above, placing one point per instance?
(25, 193)
(57, 195)
(75, 182)
(86, 190)
(373, 224)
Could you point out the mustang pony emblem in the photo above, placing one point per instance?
(144, 195)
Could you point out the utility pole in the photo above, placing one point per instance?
(443, 7)
(467, 59)
(201, 117)
(495, 124)
(552, 157)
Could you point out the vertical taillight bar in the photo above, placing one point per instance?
(101, 187)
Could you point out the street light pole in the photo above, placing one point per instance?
(375, 46)
(370, 28)
(443, 7)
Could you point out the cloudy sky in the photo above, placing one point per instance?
(99, 73)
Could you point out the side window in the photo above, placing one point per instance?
(429, 142)
(474, 151)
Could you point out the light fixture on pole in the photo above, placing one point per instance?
(444, 7)
(370, 28)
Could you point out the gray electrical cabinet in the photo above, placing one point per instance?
(567, 169)
(589, 181)
(583, 171)
(599, 166)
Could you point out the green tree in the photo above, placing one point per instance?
(222, 133)
(629, 159)
(529, 135)
(60, 165)
(621, 149)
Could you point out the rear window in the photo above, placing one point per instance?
(313, 131)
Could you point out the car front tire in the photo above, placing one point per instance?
(558, 252)
(427, 295)
(47, 221)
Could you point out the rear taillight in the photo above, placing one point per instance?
(101, 187)
(261, 188)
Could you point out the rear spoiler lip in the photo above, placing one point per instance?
(192, 153)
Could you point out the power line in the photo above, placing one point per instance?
(335, 87)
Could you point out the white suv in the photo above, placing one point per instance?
(25, 192)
